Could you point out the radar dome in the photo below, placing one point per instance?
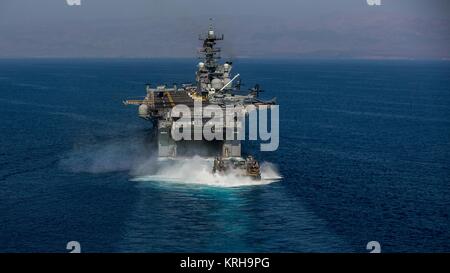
(216, 84)
(143, 110)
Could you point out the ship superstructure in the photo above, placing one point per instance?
(214, 85)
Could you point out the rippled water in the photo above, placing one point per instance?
(364, 155)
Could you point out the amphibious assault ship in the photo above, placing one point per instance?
(214, 85)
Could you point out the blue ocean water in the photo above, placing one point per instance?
(364, 154)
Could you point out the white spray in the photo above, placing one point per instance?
(144, 165)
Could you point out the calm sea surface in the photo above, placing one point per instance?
(364, 154)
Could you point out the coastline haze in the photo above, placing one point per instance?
(283, 29)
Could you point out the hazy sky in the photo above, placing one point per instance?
(418, 29)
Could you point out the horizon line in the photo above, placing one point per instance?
(234, 58)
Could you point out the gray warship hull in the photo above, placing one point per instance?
(214, 85)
